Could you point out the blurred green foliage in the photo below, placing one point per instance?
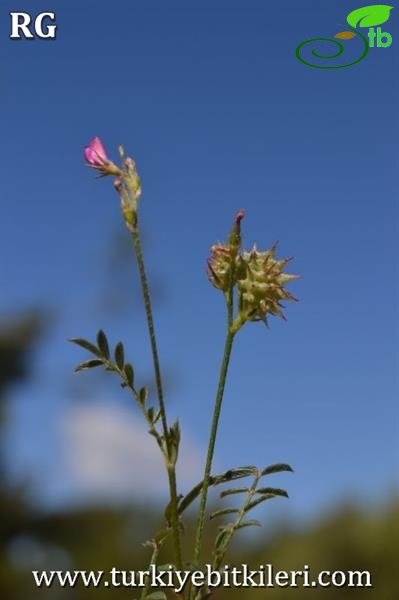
(94, 538)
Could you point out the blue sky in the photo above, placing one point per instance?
(219, 115)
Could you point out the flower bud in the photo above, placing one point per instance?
(235, 234)
(219, 267)
(96, 157)
(222, 262)
(130, 192)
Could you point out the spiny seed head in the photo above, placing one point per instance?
(258, 277)
(261, 284)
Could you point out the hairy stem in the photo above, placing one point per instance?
(158, 380)
(219, 555)
(214, 427)
(153, 561)
(150, 323)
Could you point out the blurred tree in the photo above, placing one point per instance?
(16, 337)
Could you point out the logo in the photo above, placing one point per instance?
(368, 17)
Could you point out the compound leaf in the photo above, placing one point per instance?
(229, 475)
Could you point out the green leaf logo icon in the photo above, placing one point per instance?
(369, 16)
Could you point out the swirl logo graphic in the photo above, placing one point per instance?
(366, 17)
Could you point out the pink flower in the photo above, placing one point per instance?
(95, 154)
(96, 157)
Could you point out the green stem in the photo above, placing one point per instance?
(153, 561)
(219, 556)
(151, 328)
(175, 515)
(158, 381)
(214, 427)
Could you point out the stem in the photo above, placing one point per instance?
(214, 427)
(219, 555)
(151, 328)
(158, 380)
(175, 515)
(153, 561)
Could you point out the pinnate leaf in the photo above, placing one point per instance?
(230, 475)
